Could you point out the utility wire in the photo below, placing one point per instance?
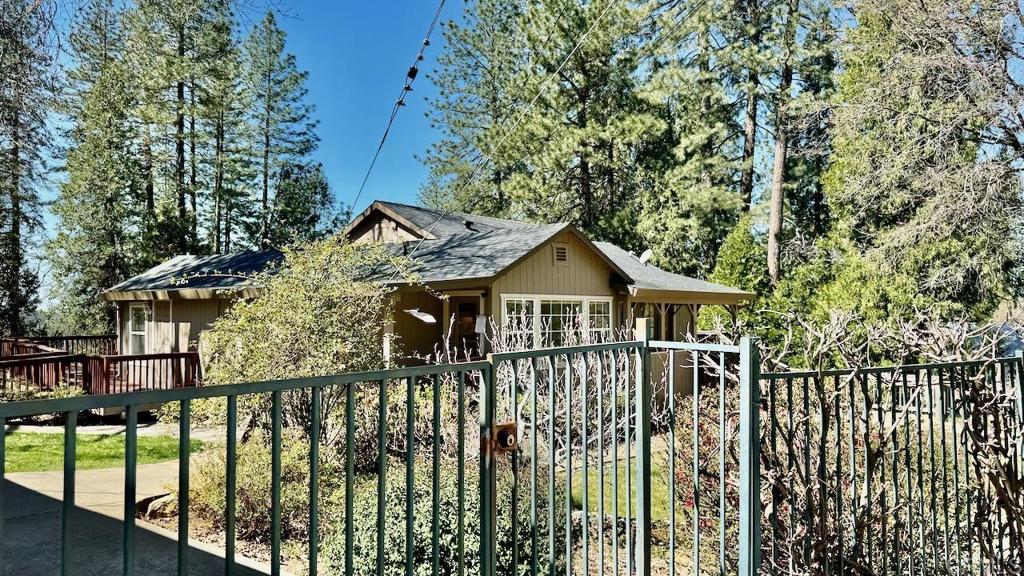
(410, 77)
(487, 157)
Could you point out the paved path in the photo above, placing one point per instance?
(32, 527)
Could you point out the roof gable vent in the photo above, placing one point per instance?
(560, 252)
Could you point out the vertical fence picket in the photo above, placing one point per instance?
(314, 480)
(750, 448)
(568, 463)
(128, 522)
(184, 451)
(68, 502)
(275, 483)
(382, 470)
(3, 484)
(643, 450)
(350, 457)
(460, 472)
(487, 473)
(231, 458)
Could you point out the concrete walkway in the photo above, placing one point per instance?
(32, 530)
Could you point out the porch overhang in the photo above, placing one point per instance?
(663, 296)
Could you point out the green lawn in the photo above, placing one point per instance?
(659, 489)
(39, 452)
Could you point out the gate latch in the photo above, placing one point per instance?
(503, 438)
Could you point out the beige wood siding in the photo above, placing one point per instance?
(174, 325)
(190, 318)
(586, 274)
(380, 228)
(415, 336)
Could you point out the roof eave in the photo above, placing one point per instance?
(667, 296)
(179, 294)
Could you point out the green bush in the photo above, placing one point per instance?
(332, 554)
(20, 389)
(253, 487)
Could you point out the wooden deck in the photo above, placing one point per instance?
(30, 367)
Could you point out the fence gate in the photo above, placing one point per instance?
(621, 458)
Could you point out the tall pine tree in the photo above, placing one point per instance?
(478, 99)
(99, 205)
(281, 121)
(27, 82)
(695, 201)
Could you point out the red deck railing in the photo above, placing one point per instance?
(44, 372)
(37, 365)
(102, 344)
(114, 374)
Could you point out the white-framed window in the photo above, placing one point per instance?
(599, 320)
(519, 321)
(138, 314)
(555, 320)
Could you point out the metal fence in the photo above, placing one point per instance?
(639, 457)
(911, 469)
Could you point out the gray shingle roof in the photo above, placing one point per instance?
(491, 247)
(451, 223)
(650, 277)
(471, 255)
(202, 272)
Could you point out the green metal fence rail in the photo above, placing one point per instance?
(634, 457)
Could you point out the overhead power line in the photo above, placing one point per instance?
(410, 77)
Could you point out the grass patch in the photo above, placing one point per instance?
(44, 451)
(660, 497)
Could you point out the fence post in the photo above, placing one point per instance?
(1019, 400)
(750, 458)
(643, 447)
(488, 505)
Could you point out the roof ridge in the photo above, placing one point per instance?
(466, 215)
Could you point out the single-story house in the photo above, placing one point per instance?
(534, 281)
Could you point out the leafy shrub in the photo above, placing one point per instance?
(332, 553)
(16, 392)
(253, 487)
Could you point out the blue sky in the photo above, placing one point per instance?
(357, 54)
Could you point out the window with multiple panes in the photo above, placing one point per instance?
(519, 322)
(599, 320)
(559, 319)
(137, 316)
(549, 321)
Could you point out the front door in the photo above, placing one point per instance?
(468, 340)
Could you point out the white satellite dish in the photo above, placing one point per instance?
(421, 316)
(646, 256)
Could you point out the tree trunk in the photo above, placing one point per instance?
(265, 207)
(749, 142)
(781, 148)
(147, 174)
(194, 217)
(14, 256)
(750, 114)
(218, 184)
(179, 144)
